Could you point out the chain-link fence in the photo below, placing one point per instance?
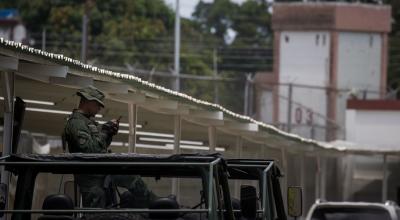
(315, 112)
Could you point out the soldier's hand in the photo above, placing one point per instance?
(111, 127)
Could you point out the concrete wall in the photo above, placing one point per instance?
(380, 128)
(266, 106)
(304, 59)
(359, 68)
(373, 128)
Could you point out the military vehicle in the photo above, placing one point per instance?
(266, 174)
(209, 171)
(44, 186)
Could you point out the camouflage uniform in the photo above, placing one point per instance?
(84, 135)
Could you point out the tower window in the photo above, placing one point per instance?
(317, 39)
(286, 39)
(371, 41)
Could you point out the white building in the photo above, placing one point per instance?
(11, 27)
(374, 123)
(327, 51)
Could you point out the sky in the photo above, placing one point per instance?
(187, 6)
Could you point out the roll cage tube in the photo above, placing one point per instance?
(276, 186)
(267, 200)
(26, 183)
(228, 214)
(211, 198)
(24, 193)
(270, 182)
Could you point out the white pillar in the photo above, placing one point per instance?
(385, 178)
(348, 177)
(324, 171)
(303, 180)
(176, 150)
(317, 177)
(132, 114)
(212, 139)
(262, 153)
(285, 172)
(8, 90)
(238, 154)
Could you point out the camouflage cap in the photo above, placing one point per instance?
(92, 93)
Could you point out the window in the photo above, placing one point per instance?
(371, 41)
(354, 213)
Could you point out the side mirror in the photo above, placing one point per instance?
(294, 201)
(248, 201)
(3, 198)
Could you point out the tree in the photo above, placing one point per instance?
(215, 18)
(250, 51)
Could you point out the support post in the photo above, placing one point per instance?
(176, 150)
(8, 91)
(263, 150)
(323, 178)
(303, 181)
(385, 178)
(285, 172)
(132, 111)
(289, 110)
(246, 95)
(251, 97)
(212, 139)
(348, 178)
(238, 154)
(318, 178)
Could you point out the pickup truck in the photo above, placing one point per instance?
(353, 210)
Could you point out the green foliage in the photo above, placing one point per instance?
(252, 24)
(393, 79)
(140, 33)
(250, 50)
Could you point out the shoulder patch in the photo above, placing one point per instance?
(83, 137)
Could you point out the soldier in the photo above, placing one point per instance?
(84, 135)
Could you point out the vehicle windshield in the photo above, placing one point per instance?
(347, 213)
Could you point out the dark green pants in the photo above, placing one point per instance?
(92, 189)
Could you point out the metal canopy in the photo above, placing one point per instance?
(54, 78)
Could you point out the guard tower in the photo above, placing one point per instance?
(324, 54)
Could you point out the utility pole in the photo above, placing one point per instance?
(85, 22)
(246, 95)
(176, 81)
(44, 39)
(215, 62)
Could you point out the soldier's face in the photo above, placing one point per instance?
(94, 107)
